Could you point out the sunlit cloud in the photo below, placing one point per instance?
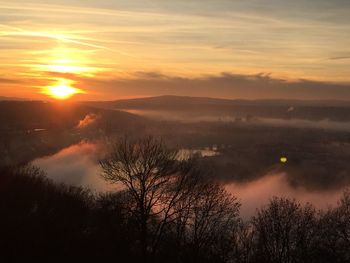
(65, 60)
(105, 40)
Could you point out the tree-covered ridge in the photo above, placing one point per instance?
(167, 210)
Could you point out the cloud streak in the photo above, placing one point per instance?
(181, 38)
(224, 85)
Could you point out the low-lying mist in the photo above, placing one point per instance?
(256, 194)
(78, 165)
(193, 117)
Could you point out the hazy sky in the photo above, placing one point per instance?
(133, 48)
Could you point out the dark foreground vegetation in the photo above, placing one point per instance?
(167, 210)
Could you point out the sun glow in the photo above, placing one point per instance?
(62, 90)
(65, 60)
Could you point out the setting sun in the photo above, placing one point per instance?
(63, 90)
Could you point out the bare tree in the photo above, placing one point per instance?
(342, 225)
(334, 232)
(207, 222)
(243, 243)
(284, 231)
(156, 180)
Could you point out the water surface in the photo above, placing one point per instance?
(78, 165)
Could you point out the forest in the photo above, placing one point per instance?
(166, 209)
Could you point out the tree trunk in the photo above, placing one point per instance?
(144, 239)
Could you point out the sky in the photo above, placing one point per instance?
(114, 49)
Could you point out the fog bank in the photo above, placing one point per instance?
(256, 194)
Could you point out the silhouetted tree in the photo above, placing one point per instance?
(40, 219)
(155, 179)
(333, 242)
(207, 223)
(111, 231)
(284, 232)
(181, 215)
(243, 243)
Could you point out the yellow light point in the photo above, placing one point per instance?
(283, 159)
(63, 90)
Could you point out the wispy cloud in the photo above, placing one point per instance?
(23, 33)
(339, 58)
(183, 38)
(224, 85)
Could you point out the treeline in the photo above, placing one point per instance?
(167, 210)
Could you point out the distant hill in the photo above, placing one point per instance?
(177, 102)
(23, 115)
(3, 98)
(312, 110)
(33, 129)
